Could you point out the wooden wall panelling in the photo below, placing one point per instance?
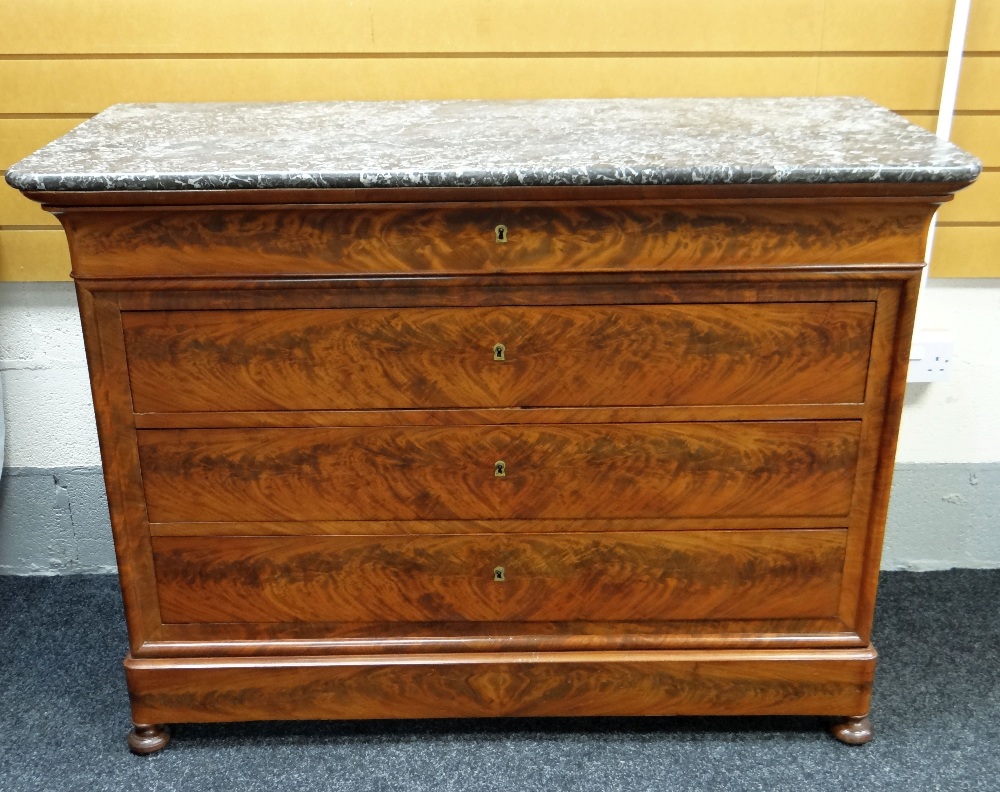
(910, 82)
(984, 27)
(977, 88)
(385, 26)
(966, 252)
(980, 135)
(967, 241)
(979, 203)
(33, 255)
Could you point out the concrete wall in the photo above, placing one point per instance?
(945, 508)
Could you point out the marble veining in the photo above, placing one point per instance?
(466, 143)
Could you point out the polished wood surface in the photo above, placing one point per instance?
(624, 236)
(300, 418)
(556, 356)
(800, 682)
(490, 526)
(743, 469)
(277, 419)
(497, 578)
(322, 639)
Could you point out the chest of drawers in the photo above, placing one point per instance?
(423, 440)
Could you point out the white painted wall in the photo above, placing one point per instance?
(46, 393)
(958, 420)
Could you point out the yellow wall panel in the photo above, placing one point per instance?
(887, 25)
(33, 256)
(979, 203)
(926, 120)
(979, 134)
(84, 86)
(406, 26)
(903, 83)
(966, 252)
(979, 87)
(15, 209)
(984, 26)
(20, 136)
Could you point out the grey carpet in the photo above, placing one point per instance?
(63, 717)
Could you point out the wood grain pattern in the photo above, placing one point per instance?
(493, 526)
(554, 357)
(582, 576)
(286, 639)
(565, 238)
(814, 285)
(300, 557)
(558, 471)
(904, 301)
(829, 682)
(506, 415)
(891, 309)
(104, 344)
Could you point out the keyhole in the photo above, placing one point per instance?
(499, 468)
(501, 231)
(499, 352)
(499, 574)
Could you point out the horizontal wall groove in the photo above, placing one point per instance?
(50, 227)
(43, 116)
(432, 54)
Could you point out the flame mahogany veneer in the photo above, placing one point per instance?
(300, 415)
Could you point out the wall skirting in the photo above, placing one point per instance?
(54, 521)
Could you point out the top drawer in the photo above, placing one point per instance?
(552, 356)
(537, 237)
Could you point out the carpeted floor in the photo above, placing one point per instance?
(64, 714)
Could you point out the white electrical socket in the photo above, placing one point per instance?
(931, 355)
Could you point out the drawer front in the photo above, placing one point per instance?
(549, 470)
(572, 577)
(555, 237)
(658, 355)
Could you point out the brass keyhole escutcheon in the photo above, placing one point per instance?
(499, 574)
(499, 352)
(501, 234)
(499, 468)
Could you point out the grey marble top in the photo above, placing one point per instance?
(491, 143)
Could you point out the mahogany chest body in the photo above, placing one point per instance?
(482, 448)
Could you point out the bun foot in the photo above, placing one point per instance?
(853, 731)
(147, 738)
